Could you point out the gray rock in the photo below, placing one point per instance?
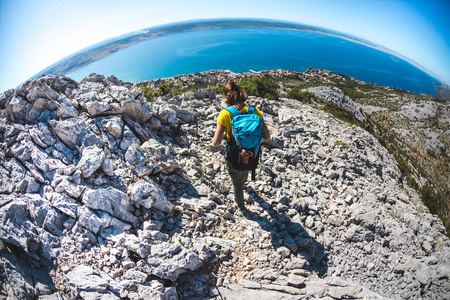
(68, 130)
(356, 233)
(128, 139)
(89, 220)
(153, 235)
(136, 275)
(65, 204)
(110, 200)
(17, 108)
(149, 194)
(137, 110)
(66, 109)
(269, 274)
(152, 225)
(84, 278)
(4, 97)
(294, 228)
(137, 160)
(284, 252)
(93, 78)
(110, 225)
(69, 188)
(156, 150)
(167, 115)
(234, 291)
(156, 290)
(97, 108)
(95, 296)
(168, 261)
(296, 281)
(108, 167)
(91, 160)
(42, 136)
(50, 245)
(15, 227)
(114, 126)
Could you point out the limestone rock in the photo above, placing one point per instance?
(168, 261)
(68, 130)
(114, 126)
(138, 161)
(105, 195)
(149, 194)
(336, 96)
(111, 201)
(16, 228)
(83, 278)
(91, 160)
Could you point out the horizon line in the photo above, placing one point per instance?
(196, 25)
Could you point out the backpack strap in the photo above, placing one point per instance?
(251, 110)
(233, 110)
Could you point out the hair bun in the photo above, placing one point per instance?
(231, 81)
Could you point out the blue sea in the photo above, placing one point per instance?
(245, 49)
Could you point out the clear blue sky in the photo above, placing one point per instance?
(36, 33)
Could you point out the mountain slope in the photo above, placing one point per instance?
(104, 194)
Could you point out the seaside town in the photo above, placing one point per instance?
(212, 78)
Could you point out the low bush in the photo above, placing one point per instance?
(304, 97)
(260, 87)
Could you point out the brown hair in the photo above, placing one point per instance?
(234, 94)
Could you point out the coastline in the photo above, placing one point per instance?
(93, 53)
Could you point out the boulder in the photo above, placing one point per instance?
(84, 278)
(128, 139)
(16, 228)
(112, 201)
(167, 115)
(138, 162)
(168, 261)
(90, 161)
(68, 131)
(114, 126)
(17, 108)
(149, 194)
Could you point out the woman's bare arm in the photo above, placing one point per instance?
(218, 136)
(266, 133)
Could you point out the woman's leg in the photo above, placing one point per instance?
(239, 177)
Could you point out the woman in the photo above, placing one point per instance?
(235, 96)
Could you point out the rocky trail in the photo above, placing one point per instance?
(104, 195)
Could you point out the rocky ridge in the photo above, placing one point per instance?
(106, 195)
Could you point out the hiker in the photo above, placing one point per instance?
(235, 98)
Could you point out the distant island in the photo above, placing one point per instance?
(100, 50)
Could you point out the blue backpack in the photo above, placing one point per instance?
(243, 150)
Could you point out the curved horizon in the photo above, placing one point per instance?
(92, 53)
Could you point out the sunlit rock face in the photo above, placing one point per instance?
(107, 195)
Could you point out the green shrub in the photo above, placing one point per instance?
(403, 165)
(341, 113)
(148, 92)
(260, 87)
(352, 93)
(304, 97)
(340, 143)
(428, 197)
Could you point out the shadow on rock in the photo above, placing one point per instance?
(287, 232)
